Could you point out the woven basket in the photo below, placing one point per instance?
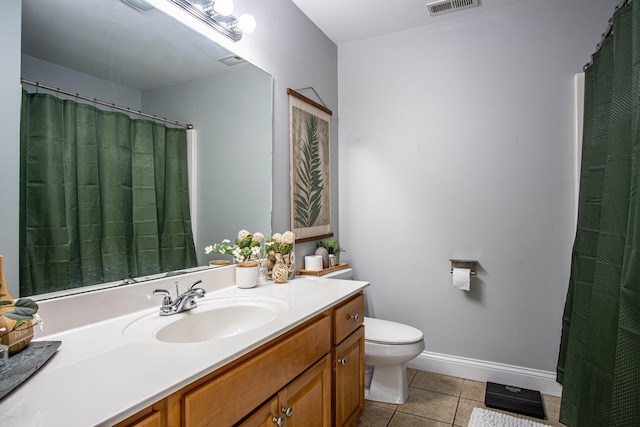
(21, 335)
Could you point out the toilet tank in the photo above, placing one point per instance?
(346, 274)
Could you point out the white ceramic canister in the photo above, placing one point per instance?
(246, 274)
(313, 262)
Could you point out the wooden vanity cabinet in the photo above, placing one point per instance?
(348, 362)
(314, 374)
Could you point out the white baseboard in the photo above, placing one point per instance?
(480, 370)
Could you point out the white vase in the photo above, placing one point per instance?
(325, 256)
(246, 274)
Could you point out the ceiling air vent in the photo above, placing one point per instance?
(232, 60)
(445, 6)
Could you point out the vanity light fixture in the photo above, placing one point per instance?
(218, 14)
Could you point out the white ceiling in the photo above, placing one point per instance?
(345, 21)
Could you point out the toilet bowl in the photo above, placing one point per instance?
(388, 346)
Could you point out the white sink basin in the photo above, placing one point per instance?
(213, 319)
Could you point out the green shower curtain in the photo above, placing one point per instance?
(599, 360)
(103, 197)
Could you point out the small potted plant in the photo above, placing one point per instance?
(248, 254)
(247, 247)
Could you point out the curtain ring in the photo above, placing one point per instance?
(37, 87)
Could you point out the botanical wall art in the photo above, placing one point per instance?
(310, 167)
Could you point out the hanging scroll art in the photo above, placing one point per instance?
(310, 168)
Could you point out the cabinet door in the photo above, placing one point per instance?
(265, 416)
(306, 402)
(348, 379)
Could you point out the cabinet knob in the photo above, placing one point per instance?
(342, 361)
(287, 411)
(279, 421)
(355, 317)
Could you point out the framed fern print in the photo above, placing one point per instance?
(310, 168)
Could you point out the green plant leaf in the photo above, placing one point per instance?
(14, 316)
(309, 186)
(27, 303)
(5, 302)
(24, 311)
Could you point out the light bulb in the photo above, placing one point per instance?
(246, 23)
(223, 7)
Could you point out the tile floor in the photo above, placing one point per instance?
(441, 401)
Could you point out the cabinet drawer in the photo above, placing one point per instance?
(228, 398)
(347, 318)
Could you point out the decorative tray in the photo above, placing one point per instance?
(323, 271)
(25, 363)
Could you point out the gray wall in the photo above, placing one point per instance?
(456, 141)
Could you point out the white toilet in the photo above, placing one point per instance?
(388, 346)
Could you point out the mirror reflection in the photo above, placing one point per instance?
(149, 62)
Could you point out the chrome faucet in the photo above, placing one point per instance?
(183, 302)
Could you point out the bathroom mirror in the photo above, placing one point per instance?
(150, 62)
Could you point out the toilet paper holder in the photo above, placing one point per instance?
(465, 263)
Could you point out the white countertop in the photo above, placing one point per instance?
(100, 377)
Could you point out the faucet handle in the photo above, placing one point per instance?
(166, 301)
(194, 284)
(199, 291)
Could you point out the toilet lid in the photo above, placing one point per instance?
(387, 332)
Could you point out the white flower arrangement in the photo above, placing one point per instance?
(248, 246)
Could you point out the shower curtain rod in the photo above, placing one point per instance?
(106, 104)
(606, 33)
